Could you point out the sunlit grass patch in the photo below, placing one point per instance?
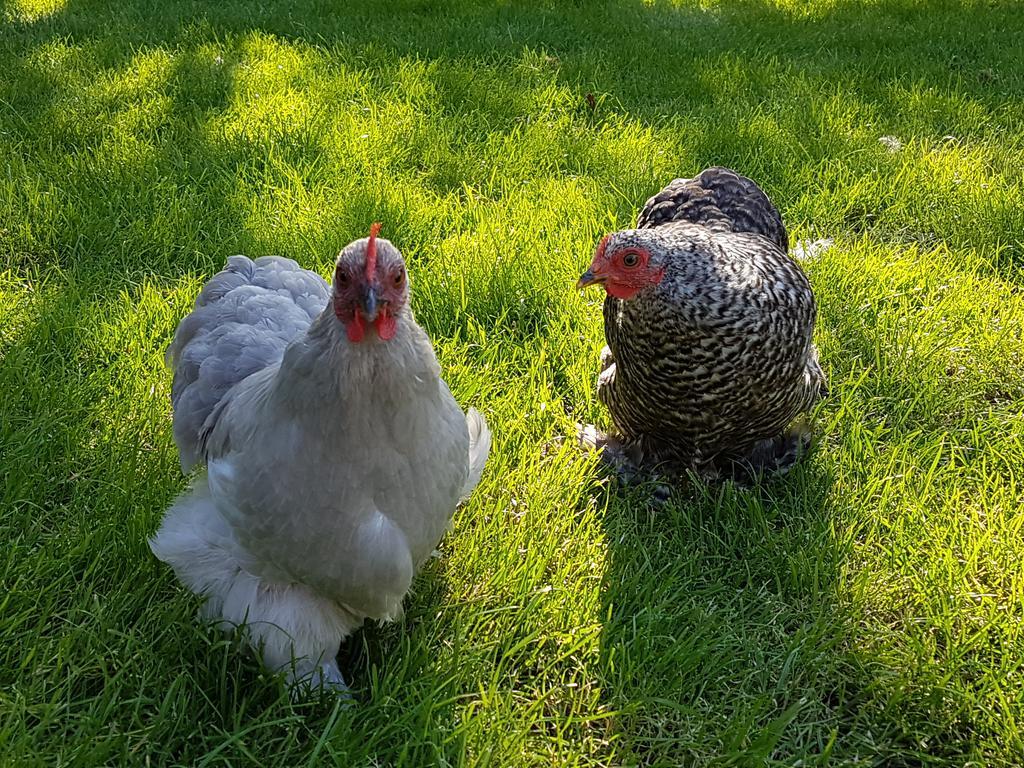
(864, 610)
(27, 11)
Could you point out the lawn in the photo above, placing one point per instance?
(866, 609)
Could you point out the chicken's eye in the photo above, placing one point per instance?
(399, 278)
(630, 259)
(341, 277)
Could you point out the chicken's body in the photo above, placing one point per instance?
(332, 467)
(710, 357)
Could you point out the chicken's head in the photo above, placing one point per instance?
(625, 264)
(370, 288)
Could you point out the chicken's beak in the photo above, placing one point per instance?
(589, 278)
(369, 303)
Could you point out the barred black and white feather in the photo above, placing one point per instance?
(714, 362)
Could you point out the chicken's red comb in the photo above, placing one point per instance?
(603, 245)
(371, 251)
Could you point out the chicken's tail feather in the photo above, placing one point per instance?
(479, 448)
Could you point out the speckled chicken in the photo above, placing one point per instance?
(334, 453)
(709, 323)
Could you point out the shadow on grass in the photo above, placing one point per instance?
(722, 608)
(723, 618)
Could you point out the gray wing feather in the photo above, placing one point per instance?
(243, 319)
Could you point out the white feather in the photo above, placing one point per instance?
(479, 450)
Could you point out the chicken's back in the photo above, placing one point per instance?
(719, 199)
(244, 318)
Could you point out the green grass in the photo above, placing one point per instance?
(865, 610)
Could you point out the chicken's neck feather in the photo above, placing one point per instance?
(324, 366)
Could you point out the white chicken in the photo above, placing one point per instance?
(335, 454)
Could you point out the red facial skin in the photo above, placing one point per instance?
(624, 272)
(356, 327)
(371, 294)
(349, 290)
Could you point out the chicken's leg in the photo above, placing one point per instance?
(305, 677)
(774, 456)
(626, 460)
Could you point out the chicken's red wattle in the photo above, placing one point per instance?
(356, 329)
